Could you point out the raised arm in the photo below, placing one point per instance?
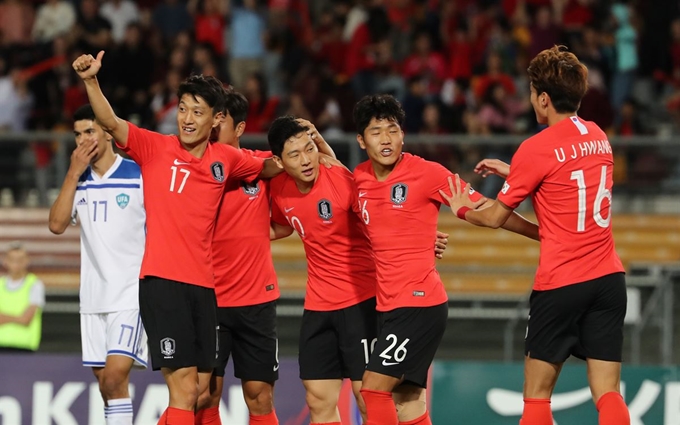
(60, 213)
(87, 68)
(318, 139)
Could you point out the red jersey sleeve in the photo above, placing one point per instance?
(141, 144)
(243, 166)
(439, 180)
(525, 175)
(276, 185)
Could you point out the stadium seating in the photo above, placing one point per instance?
(479, 263)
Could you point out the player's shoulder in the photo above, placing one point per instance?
(363, 171)
(413, 165)
(277, 184)
(338, 172)
(127, 169)
(86, 176)
(258, 154)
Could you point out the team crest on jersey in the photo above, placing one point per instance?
(217, 170)
(167, 347)
(123, 200)
(398, 193)
(250, 189)
(325, 210)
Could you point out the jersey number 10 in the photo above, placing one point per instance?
(602, 193)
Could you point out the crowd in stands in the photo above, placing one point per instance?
(457, 66)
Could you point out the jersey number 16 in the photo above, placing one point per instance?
(602, 194)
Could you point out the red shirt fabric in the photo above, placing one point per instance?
(181, 195)
(340, 263)
(567, 170)
(400, 215)
(210, 29)
(241, 250)
(358, 59)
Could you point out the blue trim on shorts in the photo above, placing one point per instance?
(128, 354)
(137, 334)
(94, 364)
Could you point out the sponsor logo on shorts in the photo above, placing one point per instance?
(269, 287)
(398, 193)
(505, 188)
(123, 200)
(386, 363)
(167, 347)
(324, 209)
(418, 293)
(217, 170)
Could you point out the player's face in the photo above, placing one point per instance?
(86, 130)
(195, 120)
(16, 262)
(228, 132)
(383, 141)
(539, 102)
(300, 158)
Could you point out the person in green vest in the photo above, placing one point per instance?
(22, 298)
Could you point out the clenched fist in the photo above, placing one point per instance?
(87, 66)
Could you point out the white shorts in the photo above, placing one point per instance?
(119, 333)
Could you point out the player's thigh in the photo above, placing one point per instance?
(93, 339)
(407, 343)
(603, 377)
(166, 308)
(255, 347)
(540, 378)
(357, 329)
(553, 332)
(204, 312)
(319, 351)
(125, 336)
(601, 328)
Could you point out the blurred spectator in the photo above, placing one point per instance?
(171, 17)
(426, 63)
(55, 17)
(164, 102)
(595, 105)
(261, 108)
(120, 14)
(16, 21)
(209, 22)
(15, 99)
(297, 107)
(630, 123)
(414, 104)
(431, 120)
(545, 32)
(94, 31)
(625, 37)
(494, 75)
(130, 79)
(498, 111)
(247, 43)
(22, 299)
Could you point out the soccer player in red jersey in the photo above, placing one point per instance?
(339, 324)
(184, 179)
(578, 301)
(399, 200)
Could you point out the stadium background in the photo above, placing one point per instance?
(458, 68)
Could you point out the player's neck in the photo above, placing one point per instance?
(18, 276)
(102, 165)
(555, 117)
(382, 172)
(196, 149)
(306, 187)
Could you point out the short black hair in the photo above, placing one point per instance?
(85, 112)
(378, 106)
(236, 105)
(282, 129)
(208, 88)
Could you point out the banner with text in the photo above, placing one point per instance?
(491, 394)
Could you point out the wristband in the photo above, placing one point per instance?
(461, 212)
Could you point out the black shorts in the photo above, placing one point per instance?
(249, 334)
(409, 338)
(584, 320)
(336, 344)
(180, 322)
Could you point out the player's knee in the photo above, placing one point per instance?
(207, 398)
(259, 397)
(410, 410)
(113, 384)
(320, 403)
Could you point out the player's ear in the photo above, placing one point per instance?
(240, 128)
(277, 161)
(218, 119)
(360, 140)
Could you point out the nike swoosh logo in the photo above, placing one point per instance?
(287, 210)
(180, 163)
(386, 363)
(276, 368)
(362, 194)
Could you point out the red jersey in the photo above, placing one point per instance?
(400, 215)
(242, 257)
(567, 171)
(340, 263)
(181, 195)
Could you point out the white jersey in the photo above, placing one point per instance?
(112, 236)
